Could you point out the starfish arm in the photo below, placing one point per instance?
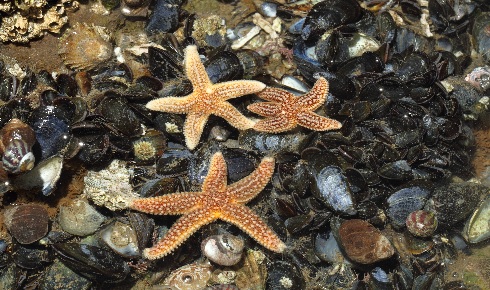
(266, 109)
(247, 188)
(276, 95)
(169, 204)
(275, 124)
(233, 116)
(195, 70)
(234, 89)
(193, 127)
(316, 122)
(217, 174)
(180, 231)
(315, 97)
(177, 105)
(253, 225)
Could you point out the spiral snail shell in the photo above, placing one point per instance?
(17, 139)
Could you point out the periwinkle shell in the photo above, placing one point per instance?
(225, 249)
(421, 223)
(27, 223)
(18, 157)
(17, 139)
(363, 243)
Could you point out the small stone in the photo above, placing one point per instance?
(363, 243)
(80, 218)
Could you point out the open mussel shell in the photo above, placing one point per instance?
(93, 262)
(477, 228)
(43, 177)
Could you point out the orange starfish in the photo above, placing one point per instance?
(217, 200)
(206, 99)
(285, 111)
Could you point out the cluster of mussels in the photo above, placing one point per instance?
(387, 201)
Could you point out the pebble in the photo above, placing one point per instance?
(80, 218)
(363, 243)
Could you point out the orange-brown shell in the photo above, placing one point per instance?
(363, 243)
(85, 46)
(16, 129)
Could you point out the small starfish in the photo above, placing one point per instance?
(217, 200)
(206, 99)
(285, 111)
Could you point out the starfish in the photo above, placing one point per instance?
(217, 200)
(206, 99)
(285, 111)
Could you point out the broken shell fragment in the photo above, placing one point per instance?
(84, 46)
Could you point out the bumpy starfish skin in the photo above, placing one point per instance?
(206, 99)
(217, 200)
(284, 111)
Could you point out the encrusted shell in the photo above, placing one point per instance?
(363, 243)
(84, 46)
(421, 223)
(225, 250)
(192, 276)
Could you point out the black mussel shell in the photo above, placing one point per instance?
(329, 14)
(164, 17)
(93, 262)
